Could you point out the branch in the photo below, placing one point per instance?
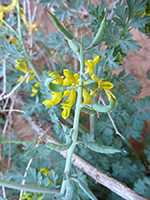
(99, 176)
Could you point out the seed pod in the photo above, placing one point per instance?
(100, 33)
(69, 191)
(104, 108)
(68, 35)
(88, 111)
(58, 147)
(102, 148)
(86, 190)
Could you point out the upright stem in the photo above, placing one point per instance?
(92, 119)
(23, 46)
(76, 122)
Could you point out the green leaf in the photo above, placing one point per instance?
(54, 87)
(92, 85)
(69, 191)
(102, 148)
(86, 190)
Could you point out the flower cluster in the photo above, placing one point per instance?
(9, 8)
(30, 196)
(72, 82)
(22, 66)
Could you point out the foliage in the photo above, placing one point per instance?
(107, 146)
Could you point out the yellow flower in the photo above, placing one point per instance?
(57, 76)
(9, 8)
(69, 77)
(105, 85)
(91, 64)
(13, 41)
(45, 172)
(86, 97)
(21, 65)
(27, 196)
(68, 104)
(34, 89)
(1, 17)
(56, 98)
(31, 27)
(40, 198)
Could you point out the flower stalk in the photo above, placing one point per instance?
(76, 122)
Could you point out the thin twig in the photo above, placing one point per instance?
(15, 88)
(35, 10)
(2, 178)
(112, 121)
(30, 35)
(13, 110)
(4, 78)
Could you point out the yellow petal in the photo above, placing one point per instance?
(66, 111)
(106, 85)
(110, 95)
(34, 91)
(13, 41)
(31, 27)
(21, 65)
(66, 93)
(7, 9)
(1, 17)
(86, 97)
(69, 77)
(96, 59)
(57, 76)
(68, 104)
(56, 98)
(37, 84)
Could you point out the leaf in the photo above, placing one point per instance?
(142, 186)
(92, 85)
(54, 87)
(102, 148)
(127, 43)
(86, 190)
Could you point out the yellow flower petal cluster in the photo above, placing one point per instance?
(22, 66)
(34, 89)
(105, 85)
(72, 80)
(31, 27)
(45, 172)
(91, 64)
(7, 9)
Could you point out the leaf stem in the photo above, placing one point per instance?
(76, 122)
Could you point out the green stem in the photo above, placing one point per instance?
(23, 46)
(28, 188)
(16, 34)
(76, 122)
(14, 142)
(92, 119)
